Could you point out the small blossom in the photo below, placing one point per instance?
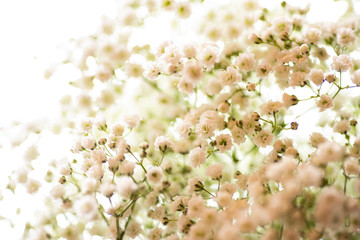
(230, 76)
(325, 102)
(154, 234)
(289, 100)
(88, 143)
(107, 189)
(317, 76)
(282, 25)
(98, 156)
(126, 186)
(238, 135)
(86, 125)
(345, 36)
(193, 71)
(134, 228)
(213, 86)
(189, 50)
(154, 174)
(184, 128)
(127, 168)
(86, 208)
(163, 143)
(263, 138)
(341, 63)
(342, 126)
(32, 186)
(263, 69)
(245, 61)
(297, 79)
(223, 142)
(134, 70)
(195, 206)
(117, 129)
(194, 185)
(185, 86)
(312, 35)
(209, 54)
(152, 71)
(356, 77)
(183, 9)
(132, 121)
(352, 167)
(329, 77)
(197, 156)
(215, 171)
(271, 107)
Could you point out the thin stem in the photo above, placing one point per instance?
(162, 158)
(338, 86)
(127, 223)
(117, 229)
(208, 192)
(345, 184)
(274, 126)
(307, 84)
(138, 161)
(268, 121)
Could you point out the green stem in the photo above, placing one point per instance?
(208, 192)
(338, 86)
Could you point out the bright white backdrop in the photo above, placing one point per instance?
(31, 35)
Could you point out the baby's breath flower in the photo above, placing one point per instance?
(86, 207)
(245, 61)
(154, 174)
(356, 77)
(325, 102)
(215, 171)
(317, 76)
(263, 138)
(126, 186)
(197, 156)
(132, 121)
(223, 142)
(163, 143)
(341, 63)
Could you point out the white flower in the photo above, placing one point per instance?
(57, 191)
(224, 142)
(197, 156)
(263, 138)
(154, 174)
(215, 171)
(317, 76)
(356, 77)
(86, 208)
(193, 71)
(229, 77)
(163, 143)
(245, 61)
(132, 121)
(126, 186)
(325, 102)
(341, 63)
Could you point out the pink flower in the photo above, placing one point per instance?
(341, 63)
(317, 76)
(214, 171)
(223, 142)
(325, 102)
(197, 157)
(263, 138)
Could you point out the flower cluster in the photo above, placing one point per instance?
(248, 131)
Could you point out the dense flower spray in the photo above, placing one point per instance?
(249, 130)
